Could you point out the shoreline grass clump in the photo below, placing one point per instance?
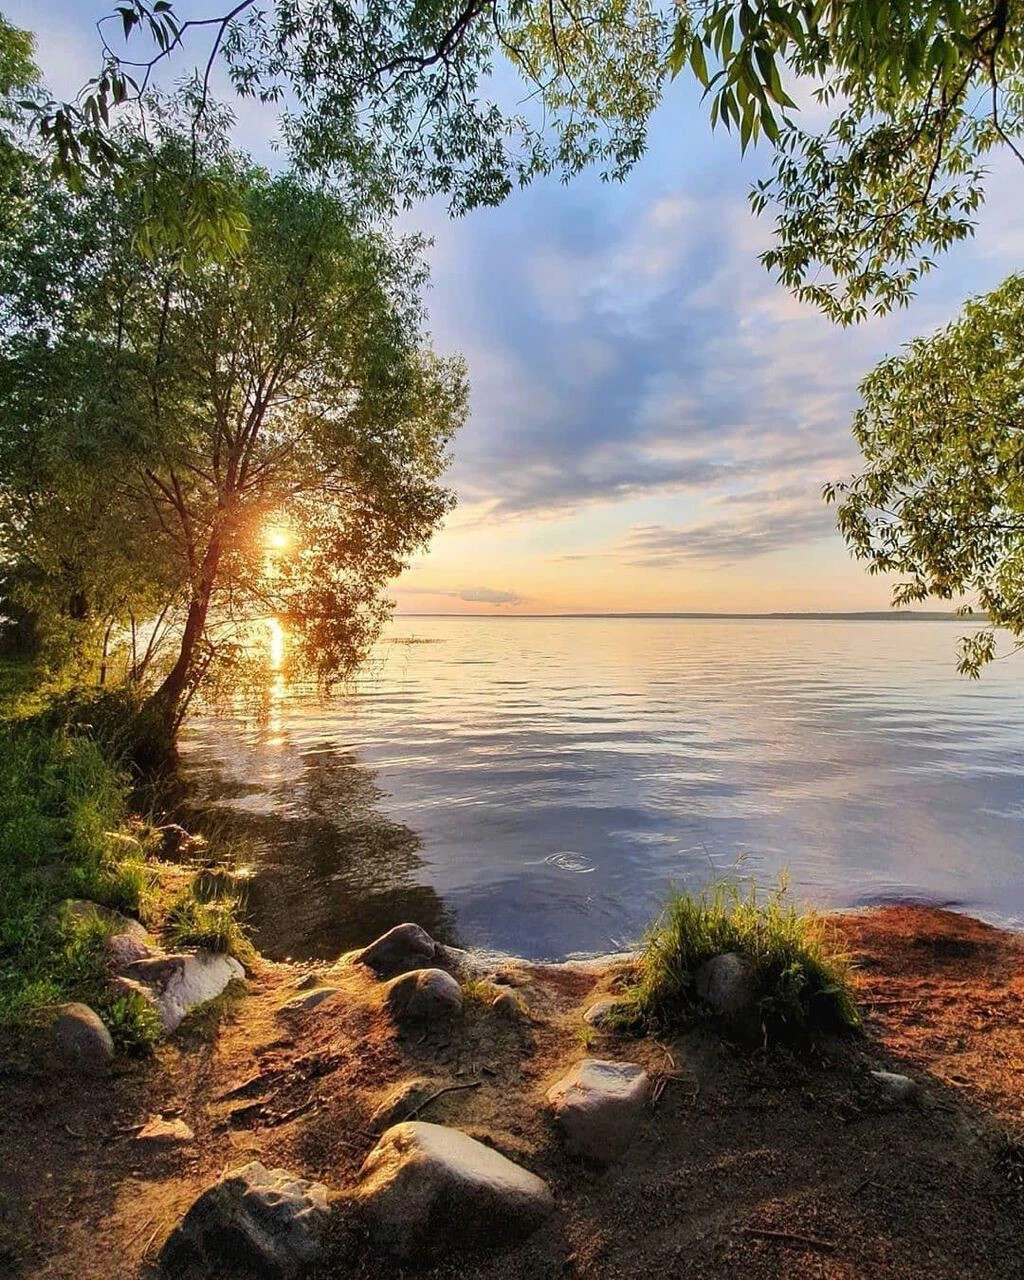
(800, 981)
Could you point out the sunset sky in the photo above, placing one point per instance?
(652, 417)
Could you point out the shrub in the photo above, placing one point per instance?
(133, 1023)
(801, 980)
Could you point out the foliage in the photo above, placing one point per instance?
(801, 981)
(191, 922)
(940, 500)
(395, 99)
(133, 1023)
(919, 92)
(156, 420)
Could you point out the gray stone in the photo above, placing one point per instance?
(894, 1088)
(600, 1013)
(402, 948)
(400, 1101)
(265, 1221)
(178, 981)
(509, 1006)
(304, 983)
(726, 983)
(425, 1187)
(308, 1000)
(598, 1106)
(82, 1039)
(82, 911)
(424, 995)
(164, 1133)
(124, 949)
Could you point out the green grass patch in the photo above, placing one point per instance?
(214, 925)
(800, 978)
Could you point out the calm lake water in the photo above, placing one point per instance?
(536, 785)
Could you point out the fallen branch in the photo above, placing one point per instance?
(449, 1088)
(790, 1237)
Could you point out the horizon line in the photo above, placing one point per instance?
(867, 615)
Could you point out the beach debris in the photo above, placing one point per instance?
(266, 1221)
(423, 996)
(82, 1039)
(426, 1187)
(598, 1106)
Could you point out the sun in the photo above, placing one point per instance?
(276, 537)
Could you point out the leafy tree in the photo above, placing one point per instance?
(155, 423)
(399, 99)
(941, 498)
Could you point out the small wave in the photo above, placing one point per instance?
(566, 860)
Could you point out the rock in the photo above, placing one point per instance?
(402, 948)
(425, 1187)
(509, 1006)
(895, 1089)
(600, 1014)
(726, 983)
(304, 983)
(82, 1039)
(124, 949)
(178, 981)
(176, 842)
(400, 1101)
(82, 911)
(309, 1000)
(598, 1106)
(424, 995)
(164, 1133)
(266, 1221)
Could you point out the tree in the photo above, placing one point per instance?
(941, 498)
(155, 423)
(397, 98)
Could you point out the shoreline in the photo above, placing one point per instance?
(742, 1159)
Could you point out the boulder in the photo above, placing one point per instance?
(402, 948)
(308, 1000)
(267, 1222)
(82, 911)
(894, 1088)
(124, 949)
(424, 996)
(400, 1101)
(726, 983)
(598, 1107)
(600, 1013)
(159, 1132)
(425, 1187)
(177, 981)
(81, 1038)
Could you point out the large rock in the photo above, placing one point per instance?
(178, 981)
(425, 1187)
(424, 996)
(82, 1039)
(264, 1222)
(402, 948)
(726, 983)
(598, 1106)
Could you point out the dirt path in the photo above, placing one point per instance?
(752, 1167)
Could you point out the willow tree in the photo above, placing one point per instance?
(156, 423)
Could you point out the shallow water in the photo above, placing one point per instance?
(535, 785)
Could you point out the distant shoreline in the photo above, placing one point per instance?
(904, 615)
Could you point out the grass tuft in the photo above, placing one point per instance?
(213, 925)
(801, 979)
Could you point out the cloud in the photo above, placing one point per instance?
(470, 595)
(728, 541)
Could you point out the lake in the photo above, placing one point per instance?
(536, 785)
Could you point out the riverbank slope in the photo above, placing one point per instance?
(745, 1164)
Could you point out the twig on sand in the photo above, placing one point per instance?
(790, 1237)
(449, 1088)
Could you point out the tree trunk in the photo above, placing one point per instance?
(167, 702)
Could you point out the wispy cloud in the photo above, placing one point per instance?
(469, 595)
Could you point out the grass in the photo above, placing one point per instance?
(66, 832)
(800, 979)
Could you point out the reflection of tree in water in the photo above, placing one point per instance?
(331, 871)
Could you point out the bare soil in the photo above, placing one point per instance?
(748, 1165)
